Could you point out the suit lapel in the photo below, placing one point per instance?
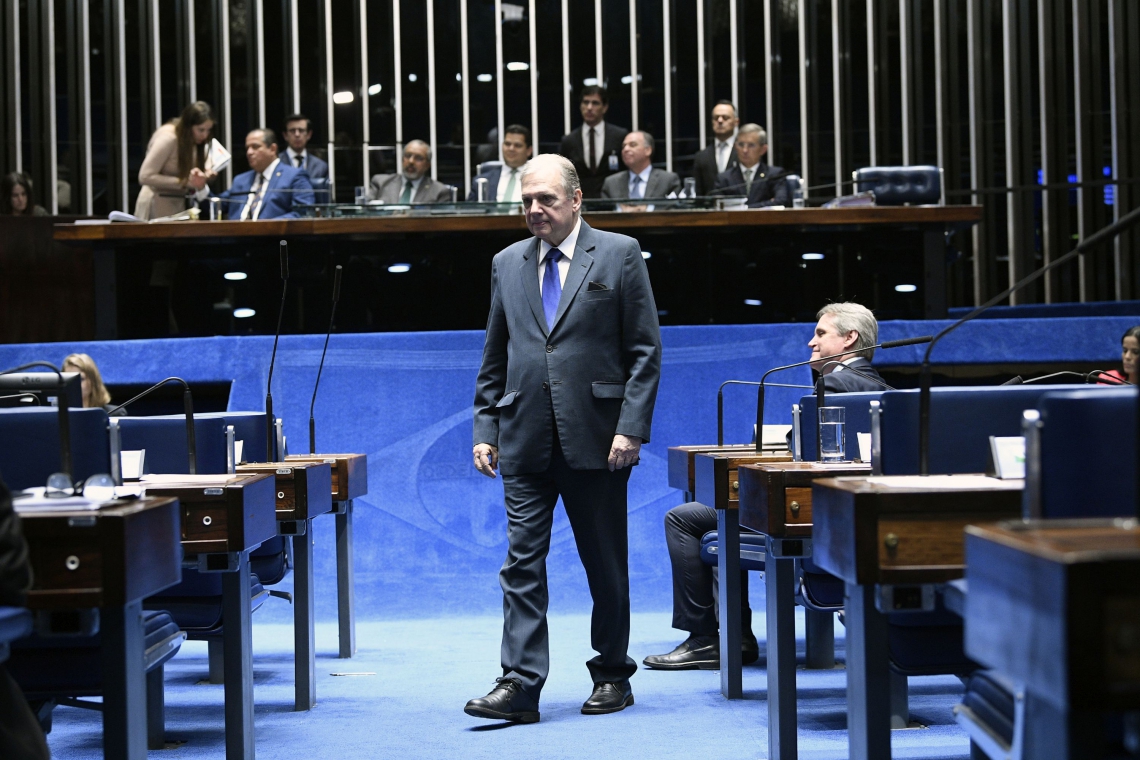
(528, 271)
(579, 268)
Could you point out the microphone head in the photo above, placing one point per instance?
(906, 342)
(1016, 380)
(336, 282)
(284, 260)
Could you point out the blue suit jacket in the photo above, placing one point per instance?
(318, 171)
(842, 381)
(289, 187)
(492, 175)
(592, 376)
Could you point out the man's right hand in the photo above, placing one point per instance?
(486, 458)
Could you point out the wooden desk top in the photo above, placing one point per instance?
(1067, 541)
(681, 458)
(304, 489)
(111, 556)
(469, 223)
(715, 480)
(903, 530)
(221, 513)
(775, 499)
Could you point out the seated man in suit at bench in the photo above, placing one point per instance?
(643, 180)
(504, 184)
(841, 327)
(749, 176)
(272, 188)
(414, 183)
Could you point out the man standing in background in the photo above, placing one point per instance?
(595, 148)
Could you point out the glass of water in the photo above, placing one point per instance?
(831, 434)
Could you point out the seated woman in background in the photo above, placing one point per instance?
(95, 394)
(1130, 357)
(175, 163)
(16, 197)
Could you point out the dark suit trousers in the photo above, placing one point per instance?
(694, 582)
(595, 502)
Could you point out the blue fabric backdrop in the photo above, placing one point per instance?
(430, 535)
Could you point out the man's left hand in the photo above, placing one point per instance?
(625, 452)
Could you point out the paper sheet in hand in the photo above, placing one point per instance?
(217, 157)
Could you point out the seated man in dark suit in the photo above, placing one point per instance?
(412, 185)
(595, 148)
(763, 185)
(298, 132)
(642, 180)
(503, 182)
(271, 189)
(721, 154)
(841, 327)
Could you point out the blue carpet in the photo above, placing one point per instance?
(425, 669)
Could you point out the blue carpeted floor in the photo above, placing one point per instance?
(420, 673)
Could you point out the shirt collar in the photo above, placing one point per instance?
(600, 128)
(268, 173)
(845, 362)
(728, 141)
(644, 174)
(566, 246)
(293, 154)
(415, 182)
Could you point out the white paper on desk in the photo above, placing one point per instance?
(131, 464)
(217, 157)
(941, 482)
(864, 446)
(238, 446)
(122, 216)
(195, 480)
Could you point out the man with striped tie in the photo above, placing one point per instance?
(563, 403)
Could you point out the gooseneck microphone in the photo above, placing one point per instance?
(321, 366)
(1083, 247)
(64, 416)
(763, 382)
(270, 438)
(187, 409)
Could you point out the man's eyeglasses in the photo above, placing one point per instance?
(296, 131)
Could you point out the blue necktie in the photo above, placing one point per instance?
(551, 287)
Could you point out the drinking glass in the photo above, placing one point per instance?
(831, 437)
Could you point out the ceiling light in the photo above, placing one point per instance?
(374, 89)
(484, 78)
(590, 82)
(341, 98)
(518, 66)
(458, 77)
(400, 268)
(812, 257)
(412, 77)
(752, 302)
(244, 313)
(646, 255)
(235, 275)
(905, 288)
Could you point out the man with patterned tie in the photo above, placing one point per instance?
(718, 156)
(503, 184)
(643, 180)
(414, 184)
(563, 402)
(271, 189)
(763, 185)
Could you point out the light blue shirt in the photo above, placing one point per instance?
(638, 182)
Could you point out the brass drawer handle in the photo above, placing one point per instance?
(891, 541)
(795, 507)
(736, 485)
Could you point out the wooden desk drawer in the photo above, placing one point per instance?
(66, 565)
(924, 541)
(797, 506)
(204, 521)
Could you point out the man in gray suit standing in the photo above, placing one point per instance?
(642, 180)
(414, 184)
(563, 403)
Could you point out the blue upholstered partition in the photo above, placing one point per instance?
(857, 419)
(29, 445)
(961, 423)
(1088, 453)
(249, 427)
(164, 438)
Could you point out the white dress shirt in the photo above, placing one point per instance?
(293, 157)
(723, 150)
(599, 143)
(252, 207)
(504, 180)
(640, 183)
(567, 248)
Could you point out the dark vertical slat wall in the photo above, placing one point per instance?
(1034, 113)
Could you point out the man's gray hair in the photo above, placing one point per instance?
(853, 316)
(410, 143)
(570, 181)
(754, 129)
(645, 137)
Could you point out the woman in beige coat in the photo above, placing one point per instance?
(175, 163)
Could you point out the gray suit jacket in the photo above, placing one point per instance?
(387, 188)
(591, 377)
(660, 184)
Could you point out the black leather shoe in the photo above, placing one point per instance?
(608, 697)
(694, 653)
(749, 650)
(507, 701)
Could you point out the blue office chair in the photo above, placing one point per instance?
(900, 185)
(31, 445)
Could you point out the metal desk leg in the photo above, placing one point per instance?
(780, 606)
(728, 571)
(238, 647)
(868, 676)
(820, 640)
(346, 610)
(124, 682)
(304, 650)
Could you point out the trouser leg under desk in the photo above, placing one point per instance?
(728, 568)
(346, 612)
(303, 635)
(820, 629)
(780, 606)
(868, 676)
(237, 643)
(124, 682)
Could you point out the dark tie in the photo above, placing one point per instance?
(406, 196)
(551, 287)
(593, 144)
(300, 160)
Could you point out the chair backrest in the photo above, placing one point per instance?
(249, 427)
(856, 419)
(29, 445)
(896, 185)
(164, 438)
(1083, 462)
(479, 169)
(962, 420)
